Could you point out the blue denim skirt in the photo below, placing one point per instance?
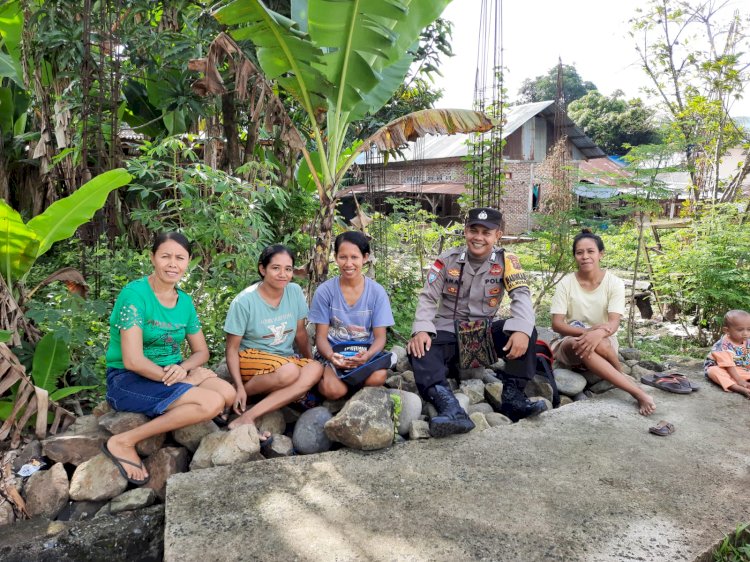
(130, 392)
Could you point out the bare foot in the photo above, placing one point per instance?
(244, 419)
(646, 405)
(128, 453)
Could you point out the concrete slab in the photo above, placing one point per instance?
(585, 482)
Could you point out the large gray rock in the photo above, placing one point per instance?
(627, 369)
(538, 386)
(137, 498)
(281, 446)
(120, 422)
(74, 449)
(411, 409)
(493, 392)
(192, 435)
(205, 451)
(399, 351)
(419, 430)
(273, 422)
(569, 382)
(490, 376)
(637, 371)
(96, 479)
(494, 419)
(33, 449)
(601, 386)
(7, 515)
(239, 445)
(47, 492)
(222, 371)
(309, 434)
(463, 400)
(474, 389)
(482, 408)
(163, 464)
(480, 422)
(403, 364)
(466, 374)
(365, 423)
(82, 425)
(565, 400)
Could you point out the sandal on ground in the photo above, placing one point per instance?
(118, 463)
(668, 383)
(222, 420)
(663, 428)
(680, 377)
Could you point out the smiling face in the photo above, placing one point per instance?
(738, 330)
(587, 255)
(170, 262)
(279, 271)
(480, 239)
(350, 260)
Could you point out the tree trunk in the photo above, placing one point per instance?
(323, 240)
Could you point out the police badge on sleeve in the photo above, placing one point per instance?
(515, 276)
(435, 270)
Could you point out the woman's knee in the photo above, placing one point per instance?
(331, 387)
(377, 378)
(286, 375)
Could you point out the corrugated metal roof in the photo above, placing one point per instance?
(455, 146)
(406, 188)
(603, 171)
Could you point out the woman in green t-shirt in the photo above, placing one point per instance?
(146, 372)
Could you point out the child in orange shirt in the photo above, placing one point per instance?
(728, 364)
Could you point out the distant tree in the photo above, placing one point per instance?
(697, 55)
(613, 122)
(544, 87)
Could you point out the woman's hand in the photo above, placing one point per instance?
(198, 375)
(240, 400)
(173, 373)
(585, 344)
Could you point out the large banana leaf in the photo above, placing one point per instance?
(284, 52)
(61, 219)
(19, 245)
(11, 25)
(51, 360)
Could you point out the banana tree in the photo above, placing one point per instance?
(342, 60)
(22, 243)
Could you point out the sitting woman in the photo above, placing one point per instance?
(146, 372)
(262, 323)
(586, 312)
(349, 309)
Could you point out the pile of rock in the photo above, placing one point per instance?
(82, 482)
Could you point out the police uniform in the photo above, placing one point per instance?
(474, 295)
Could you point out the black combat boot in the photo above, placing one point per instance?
(450, 417)
(515, 404)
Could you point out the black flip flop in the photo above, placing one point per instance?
(662, 429)
(118, 463)
(222, 420)
(668, 383)
(694, 387)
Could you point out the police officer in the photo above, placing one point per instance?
(468, 283)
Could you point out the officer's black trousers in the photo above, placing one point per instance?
(442, 359)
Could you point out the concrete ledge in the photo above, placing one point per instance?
(585, 482)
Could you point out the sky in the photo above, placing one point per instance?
(590, 34)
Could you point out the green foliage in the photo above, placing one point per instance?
(228, 220)
(396, 400)
(5, 336)
(734, 547)
(705, 268)
(21, 244)
(544, 87)
(613, 122)
(405, 241)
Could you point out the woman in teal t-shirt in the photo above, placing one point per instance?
(146, 372)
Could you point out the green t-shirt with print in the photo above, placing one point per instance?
(164, 329)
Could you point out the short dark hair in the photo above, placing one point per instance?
(353, 237)
(733, 315)
(178, 237)
(586, 233)
(269, 252)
